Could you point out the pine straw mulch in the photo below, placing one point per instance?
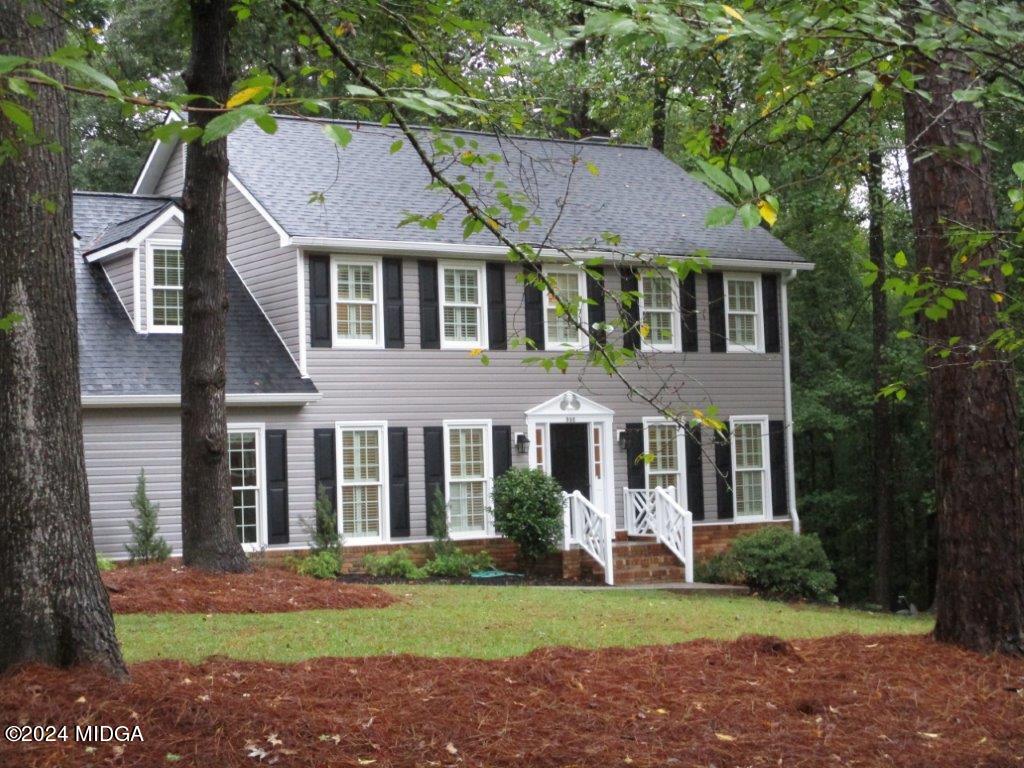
(850, 701)
(167, 588)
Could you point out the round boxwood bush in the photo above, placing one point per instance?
(776, 562)
(528, 509)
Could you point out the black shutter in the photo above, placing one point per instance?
(636, 474)
(723, 476)
(497, 334)
(716, 311)
(394, 310)
(595, 311)
(277, 486)
(501, 449)
(320, 301)
(430, 329)
(533, 301)
(324, 466)
(780, 486)
(433, 470)
(694, 472)
(770, 300)
(398, 481)
(688, 311)
(631, 313)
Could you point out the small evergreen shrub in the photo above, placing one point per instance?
(104, 563)
(320, 564)
(393, 565)
(438, 519)
(528, 509)
(324, 534)
(457, 564)
(146, 546)
(776, 562)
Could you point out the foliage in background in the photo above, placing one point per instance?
(104, 563)
(528, 509)
(146, 546)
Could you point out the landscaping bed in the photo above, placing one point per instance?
(849, 700)
(510, 580)
(167, 588)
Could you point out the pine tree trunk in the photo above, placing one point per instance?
(973, 395)
(53, 607)
(209, 540)
(882, 455)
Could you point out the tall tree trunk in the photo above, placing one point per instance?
(659, 116)
(53, 606)
(209, 540)
(973, 395)
(882, 455)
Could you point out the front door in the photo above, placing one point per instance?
(570, 457)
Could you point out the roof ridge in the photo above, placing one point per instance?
(473, 131)
(128, 195)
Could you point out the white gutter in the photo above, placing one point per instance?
(788, 396)
(153, 401)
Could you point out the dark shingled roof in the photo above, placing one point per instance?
(129, 227)
(115, 360)
(637, 193)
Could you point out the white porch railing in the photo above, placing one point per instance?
(638, 508)
(657, 512)
(592, 529)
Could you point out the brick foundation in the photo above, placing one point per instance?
(710, 539)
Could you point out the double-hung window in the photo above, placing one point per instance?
(468, 475)
(165, 288)
(245, 467)
(362, 471)
(560, 307)
(463, 320)
(751, 481)
(358, 315)
(744, 325)
(658, 302)
(664, 444)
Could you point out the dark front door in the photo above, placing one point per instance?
(570, 457)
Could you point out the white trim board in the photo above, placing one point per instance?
(244, 398)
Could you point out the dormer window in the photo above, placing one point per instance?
(166, 296)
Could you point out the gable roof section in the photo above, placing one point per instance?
(125, 366)
(637, 193)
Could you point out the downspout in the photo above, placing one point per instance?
(788, 394)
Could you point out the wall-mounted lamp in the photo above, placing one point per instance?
(620, 437)
(522, 443)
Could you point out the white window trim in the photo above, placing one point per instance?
(676, 344)
(680, 484)
(755, 278)
(385, 477)
(448, 426)
(583, 341)
(152, 245)
(261, 479)
(482, 341)
(766, 477)
(377, 342)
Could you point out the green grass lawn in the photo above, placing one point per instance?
(487, 622)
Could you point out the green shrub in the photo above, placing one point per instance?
(777, 562)
(393, 565)
(438, 518)
(104, 563)
(320, 564)
(324, 533)
(457, 564)
(528, 509)
(146, 546)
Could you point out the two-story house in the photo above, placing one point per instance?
(354, 344)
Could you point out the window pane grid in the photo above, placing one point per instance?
(748, 446)
(742, 312)
(356, 307)
(167, 297)
(361, 486)
(467, 505)
(461, 310)
(663, 445)
(466, 453)
(242, 456)
(560, 326)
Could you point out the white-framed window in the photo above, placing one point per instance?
(245, 464)
(461, 288)
(468, 477)
(362, 472)
(752, 496)
(659, 303)
(357, 309)
(560, 332)
(665, 443)
(744, 326)
(165, 294)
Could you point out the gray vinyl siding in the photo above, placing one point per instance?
(121, 274)
(268, 271)
(172, 181)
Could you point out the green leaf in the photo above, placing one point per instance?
(10, 63)
(267, 123)
(720, 216)
(955, 293)
(7, 322)
(743, 180)
(750, 215)
(593, 169)
(227, 122)
(17, 115)
(339, 134)
(89, 73)
(395, 146)
(360, 90)
(900, 259)
(719, 178)
(1018, 169)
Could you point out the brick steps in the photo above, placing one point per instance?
(638, 561)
